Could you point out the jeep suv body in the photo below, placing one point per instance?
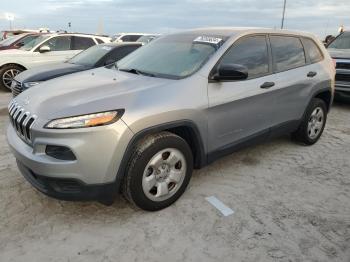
(175, 104)
(45, 49)
(339, 50)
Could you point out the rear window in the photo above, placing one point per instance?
(312, 50)
(130, 38)
(288, 52)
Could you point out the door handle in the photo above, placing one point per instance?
(267, 85)
(311, 74)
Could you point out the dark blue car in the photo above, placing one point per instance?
(93, 57)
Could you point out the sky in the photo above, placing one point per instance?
(165, 16)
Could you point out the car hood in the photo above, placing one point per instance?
(339, 53)
(86, 92)
(43, 73)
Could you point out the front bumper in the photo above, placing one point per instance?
(68, 189)
(98, 152)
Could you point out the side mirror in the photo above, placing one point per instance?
(109, 61)
(231, 72)
(44, 49)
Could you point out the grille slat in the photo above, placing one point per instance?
(21, 120)
(16, 88)
(342, 65)
(342, 77)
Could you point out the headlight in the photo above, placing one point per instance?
(30, 84)
(90, 120)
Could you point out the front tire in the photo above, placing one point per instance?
(7, 73)
(158, 172)
(313, 123)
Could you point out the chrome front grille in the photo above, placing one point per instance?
(16, 88)
(21, 120)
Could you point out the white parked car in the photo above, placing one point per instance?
(46, 49)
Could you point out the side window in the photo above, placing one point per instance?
(99, 41)
(312, 50)
(250, 52)
(82, 43)
(59, 43)
(287, 52)
(125, 38)
(134, 38)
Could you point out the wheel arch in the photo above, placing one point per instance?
(325, 95)
(186, 129)
(15, 64)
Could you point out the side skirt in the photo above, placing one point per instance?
(260, 137)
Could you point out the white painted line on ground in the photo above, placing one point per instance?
(225, 210)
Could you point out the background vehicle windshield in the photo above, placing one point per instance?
(90, 56)
(34, 42)
(174, 56)
(146, 38)
(341, 42)
(9, 41)
(115, 37)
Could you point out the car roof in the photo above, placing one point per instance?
(232, 31)
(119, 44)
(76, 34)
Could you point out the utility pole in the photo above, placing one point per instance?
(284, 11)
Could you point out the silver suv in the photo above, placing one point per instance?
(141, 126)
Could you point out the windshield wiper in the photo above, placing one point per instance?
(136, 71)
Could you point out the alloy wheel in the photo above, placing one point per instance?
(315, 123)
(8, 76)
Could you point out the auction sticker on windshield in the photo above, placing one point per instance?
(208, 39)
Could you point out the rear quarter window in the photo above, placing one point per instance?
(99, 41)
(82, 43)
(287, 52)
(312, 50)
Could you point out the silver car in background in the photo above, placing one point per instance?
(178, 103)
(339, 49)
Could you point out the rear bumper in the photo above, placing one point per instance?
(68, 189)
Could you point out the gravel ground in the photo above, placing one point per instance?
(291, 203)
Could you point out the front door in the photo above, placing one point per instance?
(60, 51)
(239, 110)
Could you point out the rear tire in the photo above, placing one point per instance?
(7, 73)
(158, 172)
(313, 123)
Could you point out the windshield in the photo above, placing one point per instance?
(146, 38)
(11, 40)
(173, 56)
(90, 56)
(341, 42)
(34, 42)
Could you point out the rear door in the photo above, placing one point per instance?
(293, 79)
(240, 110)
